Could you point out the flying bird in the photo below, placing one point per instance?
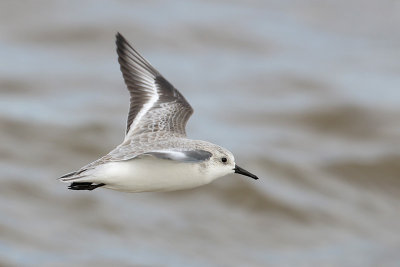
(155, 154)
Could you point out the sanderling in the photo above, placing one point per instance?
(155, 155)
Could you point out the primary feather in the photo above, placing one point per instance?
(155, 105)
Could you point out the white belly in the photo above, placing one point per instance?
(144, 175)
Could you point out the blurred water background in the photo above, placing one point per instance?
(305, 93)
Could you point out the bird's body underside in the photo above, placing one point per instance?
(148, 173)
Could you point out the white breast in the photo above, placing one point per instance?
(149, 174)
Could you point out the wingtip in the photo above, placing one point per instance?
(121, 43)
(119, 37)
(67, 175)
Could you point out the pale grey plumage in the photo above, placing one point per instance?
(157, 116)
(155, 154)
(181, 156)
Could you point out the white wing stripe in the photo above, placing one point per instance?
(146, 107)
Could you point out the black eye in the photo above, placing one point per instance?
(224, 160)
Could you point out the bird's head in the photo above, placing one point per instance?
(222, 162)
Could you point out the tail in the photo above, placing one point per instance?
(67, 176)
(84, 186)
(73, 176)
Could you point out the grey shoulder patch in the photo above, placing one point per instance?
(182, 156)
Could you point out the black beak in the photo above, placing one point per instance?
(244, 172)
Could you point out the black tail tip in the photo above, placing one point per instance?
(84, 186)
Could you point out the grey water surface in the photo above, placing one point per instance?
(305, 93)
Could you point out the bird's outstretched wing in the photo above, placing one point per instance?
(155, 105)
(158, 115)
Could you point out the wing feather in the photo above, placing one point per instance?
(155, 105)
(190, 156)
